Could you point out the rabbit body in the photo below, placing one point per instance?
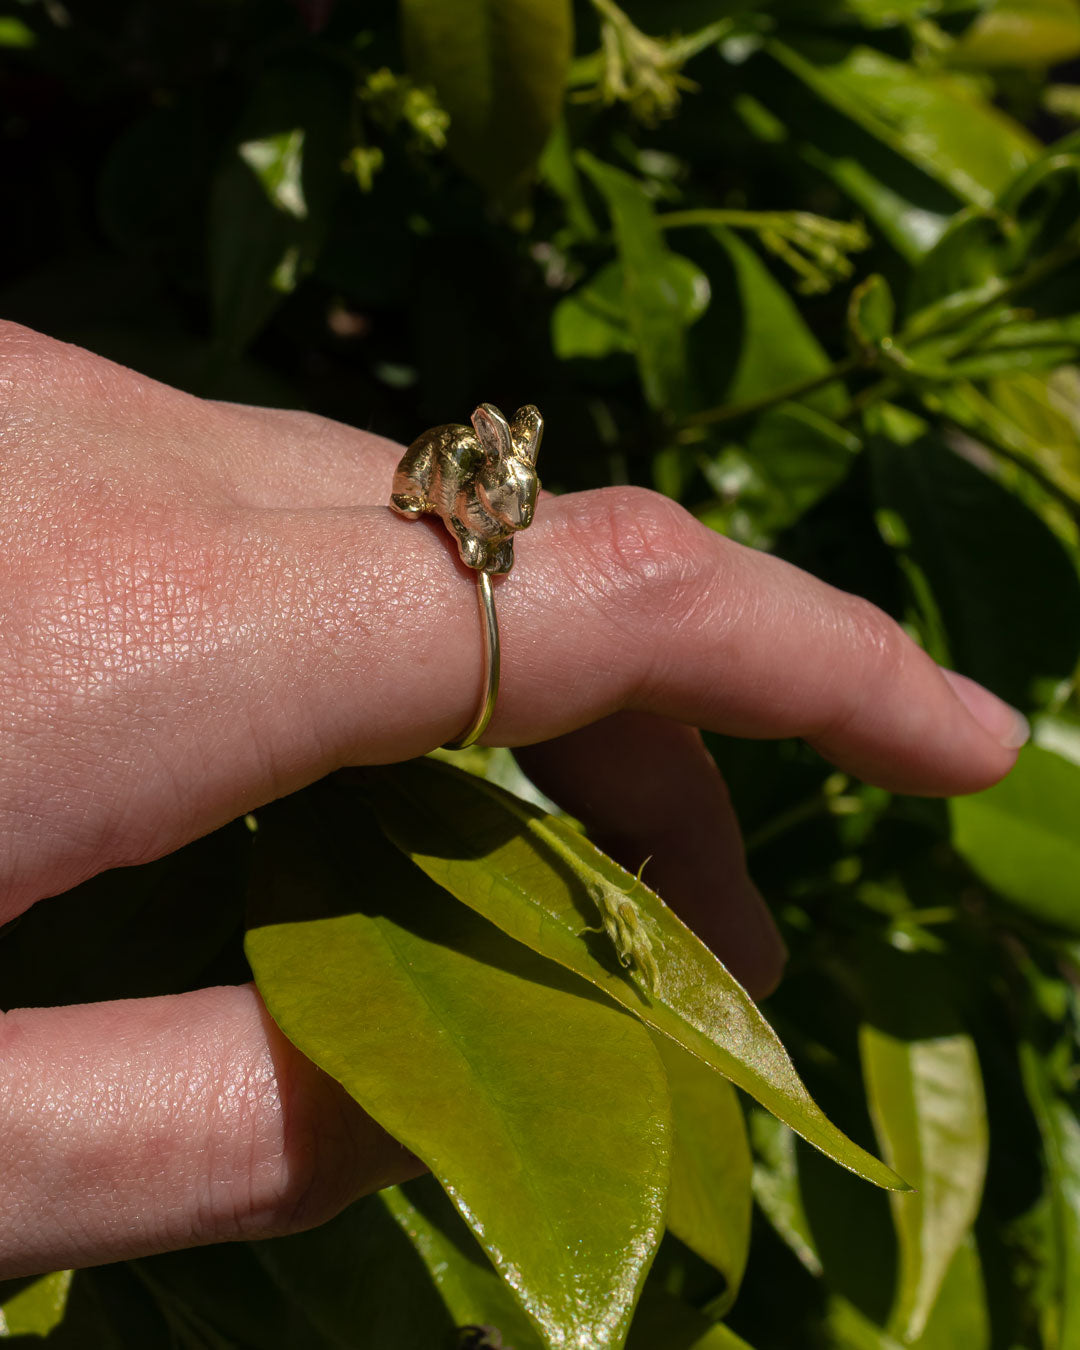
(480, 480)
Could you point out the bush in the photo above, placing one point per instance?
(812, 271)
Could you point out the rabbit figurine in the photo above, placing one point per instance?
(482, 482)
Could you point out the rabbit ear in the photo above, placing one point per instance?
(526, 430)
(494, 431)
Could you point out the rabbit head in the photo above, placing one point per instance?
(507, 484)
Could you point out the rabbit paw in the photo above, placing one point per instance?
(406, 505)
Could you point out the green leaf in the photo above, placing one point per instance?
(871, 314)
(15, 34)
(1004, 586)
(1056, 1114)
(710, 1200)
(938, 122)
(272, 195)
(513, 1081)
(466, 1281)
(529, 873)
(499, 68)
(757, 326)
(654, 309)
(592, 320)
(33, 1307)
(359, 1282)
(927, 1103)
(1026, 33)
(960, 1316)
(667, 1321)
(1021, 837)
(776, 1187)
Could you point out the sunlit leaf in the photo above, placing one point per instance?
(519, 1087)
(33, 1307)
(1021, 837)
(936, 121)
(592, 320)
(1032, 33)
(529, 873)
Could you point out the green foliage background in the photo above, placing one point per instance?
(811, 269)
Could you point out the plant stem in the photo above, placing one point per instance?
(731, 412)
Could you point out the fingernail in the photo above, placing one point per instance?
(1008, 726)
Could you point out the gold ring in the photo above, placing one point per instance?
(481, 482)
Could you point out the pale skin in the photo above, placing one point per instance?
(207, 606)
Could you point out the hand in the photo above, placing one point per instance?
(207, 606)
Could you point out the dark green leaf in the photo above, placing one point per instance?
(530, 874)
(1005, 588)
(498, 68)
(666, 1321)
(592, 321)
(776, 1186)
(359, 1281)
(467, 1283)
(519, 1087)
(1021, 837)
(654, 309)
(273, 193)
(773, 347)
(709, 1204)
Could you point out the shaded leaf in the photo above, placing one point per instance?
(926, 1099)
(664, 1320)
(1021, 837)
(592, 320)
(467, 1283)
(654, 308)
(529, 873)
(499, 68)
(776, 1186)
(710, 1200)
(393, 989)
(358, 1281)
(871, 313)
(1005, 588)
(272, 195)
(772, 347)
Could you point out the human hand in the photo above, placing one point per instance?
(208, 606)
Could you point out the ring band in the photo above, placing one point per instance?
(481, 482)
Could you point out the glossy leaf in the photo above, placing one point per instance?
(710, 1200)
(498, 68)
(1005, 588)
(33, 1307)
(1021, 837)
(927, 1102)
(655, 310)
(936, 122)
(393, 989)
(467, 1283)
(528, 873)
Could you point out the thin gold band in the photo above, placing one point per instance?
(489, 624)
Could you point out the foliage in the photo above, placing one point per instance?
(813, 270)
